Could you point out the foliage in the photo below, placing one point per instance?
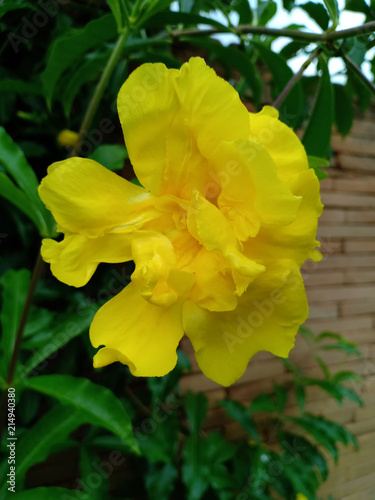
(60, 59)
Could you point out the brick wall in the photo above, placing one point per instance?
(341, 293)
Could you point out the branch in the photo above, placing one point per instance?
(296, 77)
(285, 32)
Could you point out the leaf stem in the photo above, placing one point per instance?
(38, 268)
(296, 77)
(285, 32)
(99, 90)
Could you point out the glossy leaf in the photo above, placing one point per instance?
(242, 415)
(36, 444)
(14, 285)
(316, 164)
(57, 335)
(111, 156)
(96, 403)
(334, 12)
(344, 113)
(317, 136)
(196, 406)
(16, 165)
(317, 12)
(291, 109)
(69, 47)
(266, 11)
(88, 71)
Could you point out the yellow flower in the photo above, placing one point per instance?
(227, 215)
(301, 497)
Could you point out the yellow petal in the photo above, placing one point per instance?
(282, 144)
(266, 319)
(297, 240)
(251, 195)
(75, 259)
(172, 120)
(137, 333)
(86, 198)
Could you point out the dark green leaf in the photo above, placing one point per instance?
(15, 285)
(334, 12)
(115, 7)
(299, 391)
(111, 156)
(49, 493)
(344, 113)
(196, 406)
(157, 436)
(317, 136)
(291, 109)
(266, 11)
(89, 464)
(96, 403)
(37, 443)
(88, 71)
(160, 481)
(281, 397)
(57, 336)
(242, 415)
(263, 402)
(317, 164)
(19, 86)
(357, 51)
(9, 5)
(291, 49)
(16, 165)
(358, 6)
(317, 12)
(69, 47)
(346, 375)
(174, 18)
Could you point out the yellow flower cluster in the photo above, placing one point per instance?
(227, 215)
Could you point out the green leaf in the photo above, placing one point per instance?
(342, 344)
(160, 20)
(157, 436)
(15, 285)
(9, 5)
(115, 7)
(89, 464)
(196, 406)
(16, 165)
(19, 86)
(317, 136)
(357, 51)
(317, 12)
(291, 109)
(242, 415)
(346, 375)
(49, 493)
(266, 11)
(334, 12)
(96, 403)
(111, 156)
(37, 443)
(57, 336)
(160, 481)
(317, 164)
(344, 113)
(281, 397)
(87, 71)
(263, 402)
(69, 47)
(299, 392)
(235, 59)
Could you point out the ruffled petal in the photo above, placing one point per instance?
(297, 240)
(137, 333)
(86, 198)
(251, 195)
(75, 259)
(266, 319)
(194, 111)
(282, 144)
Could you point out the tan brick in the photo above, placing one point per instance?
(365, 184)
(332, 215)
(351, 307)
(340, 325)
(367, 276)
(341, 293)
(367, 494)
(361, 336)
(359, 246)
(323, 311)
(355, 163)
(346, 231)
(327, 278)
(335, 199)
(352, 145)
(362, 426)
(347, 261)
(363, 128)
(360, 216)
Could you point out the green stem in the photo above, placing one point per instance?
(38, 268)
(296, 77)
(101, 86)
(358, 73)
(289, 33)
